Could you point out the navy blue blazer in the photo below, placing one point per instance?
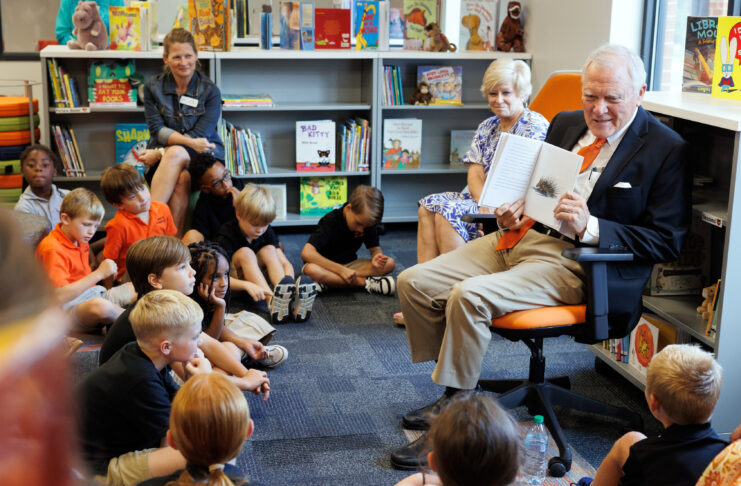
(649, 219)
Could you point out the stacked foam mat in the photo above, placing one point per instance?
(15, 136)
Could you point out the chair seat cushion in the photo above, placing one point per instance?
(560, 315)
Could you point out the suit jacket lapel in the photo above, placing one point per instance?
(629, 145)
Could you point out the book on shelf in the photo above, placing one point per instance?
(315, 146)
(538, 172)
(127, 28)
(320, 195)
(109, 83)
(211, 24)
(396, 23)
(68, 150)
(241, 18)
(417, 14)
(460, 143)
(131, 141)
(266, 27)
(332, 28)
(147, 20)
(355, 145)
(445, 82)
(726, 68)
(307, 26)
(246, 99)
(644, 344)
(244, 153)
(371, 24)
(478, 27)
(402, 143)
(699, 54)
(290, 25)
(169, 15)
(278, 191)
(63, 86)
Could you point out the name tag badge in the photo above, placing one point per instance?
(187, 100)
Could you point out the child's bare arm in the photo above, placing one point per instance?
(71, 291)
(216, 325)
(220, 356)
(253, 348)
(256, 292)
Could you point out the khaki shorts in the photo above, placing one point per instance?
(355, 264)
(129, 469)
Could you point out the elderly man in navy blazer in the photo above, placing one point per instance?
(632, 194)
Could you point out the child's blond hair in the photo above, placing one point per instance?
(686, 381)
(81, 202)
(255, 203)
(119, 180)
(209, 420)
(164, 314)
(367, 200)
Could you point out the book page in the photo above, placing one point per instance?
(509, 175)
(554, 175)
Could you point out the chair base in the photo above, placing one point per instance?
(540, 399)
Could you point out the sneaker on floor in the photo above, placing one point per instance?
(277, 354)
(399, 319)
(380, 285)
(280, 304)
(320, 288)
(303, 298)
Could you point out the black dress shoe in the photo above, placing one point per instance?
(420, 419)
(411, 457)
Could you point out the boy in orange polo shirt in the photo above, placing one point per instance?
(65, 255)
(138, 217)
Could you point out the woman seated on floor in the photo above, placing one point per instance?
(506, 85)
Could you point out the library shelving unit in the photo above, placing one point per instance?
(712, 126)
(403, 188)
(304, 85)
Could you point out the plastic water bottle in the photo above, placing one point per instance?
(536, 443)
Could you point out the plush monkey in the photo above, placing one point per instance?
(438, 41)
(510, 33)
(422, 96)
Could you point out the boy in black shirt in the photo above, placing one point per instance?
(125, 403)
(331, 252)
(215, 205)
(682, 387)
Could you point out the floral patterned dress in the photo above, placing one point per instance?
(453, 205)
(724, 469)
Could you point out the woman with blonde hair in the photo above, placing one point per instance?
(209, 421)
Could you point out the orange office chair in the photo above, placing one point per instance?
(587, 323)
(561, 92)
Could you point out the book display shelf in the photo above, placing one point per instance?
(712, 127)
(304, 85)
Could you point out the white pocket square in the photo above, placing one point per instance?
(623, 185)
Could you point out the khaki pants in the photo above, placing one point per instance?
(448, 302)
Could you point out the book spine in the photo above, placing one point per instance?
(399, 85)
(263, 159)
(60, 149)
(53, 82)
(77, 150)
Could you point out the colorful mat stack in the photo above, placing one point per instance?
(15, 135)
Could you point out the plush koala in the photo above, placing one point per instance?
(510, 33)
(89, 28)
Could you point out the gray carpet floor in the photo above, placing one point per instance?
(335, 408)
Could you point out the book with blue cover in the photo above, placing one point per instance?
(131, 141)
(307, 26)
(367, 24)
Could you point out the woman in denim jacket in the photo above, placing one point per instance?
(182, 107)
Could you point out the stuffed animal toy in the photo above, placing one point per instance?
(422, 96)
(89, 28)
(472, 23)
(706, 308)
(438, 41)
(510, 33)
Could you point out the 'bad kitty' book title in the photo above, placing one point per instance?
(315, 146)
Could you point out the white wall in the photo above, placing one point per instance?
(30, 70)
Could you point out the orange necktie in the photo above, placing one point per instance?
(510, 238)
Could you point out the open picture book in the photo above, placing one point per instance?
(538, 172)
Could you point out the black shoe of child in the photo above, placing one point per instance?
(303, 298)
(280, 304)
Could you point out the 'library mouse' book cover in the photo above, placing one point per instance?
(699, 54)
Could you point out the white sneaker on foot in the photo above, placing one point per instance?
(380, 285)
(280, 304)
(303, 298)
(277, 354)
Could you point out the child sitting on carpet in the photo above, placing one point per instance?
(210, 420)
(41, 197)
(474, 442)
(682, 388)
(245, 330)
(163, 262)
(331, 252)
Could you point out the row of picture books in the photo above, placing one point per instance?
(711, 61)
(444, 85)
(244, 152)
(68, 150)
(109, 83)
(402, 144)
(650, 336)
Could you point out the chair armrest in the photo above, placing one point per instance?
(592, 254)
(595, 262)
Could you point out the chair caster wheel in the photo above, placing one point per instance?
(557, 468)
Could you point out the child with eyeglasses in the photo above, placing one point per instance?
(215, 205)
